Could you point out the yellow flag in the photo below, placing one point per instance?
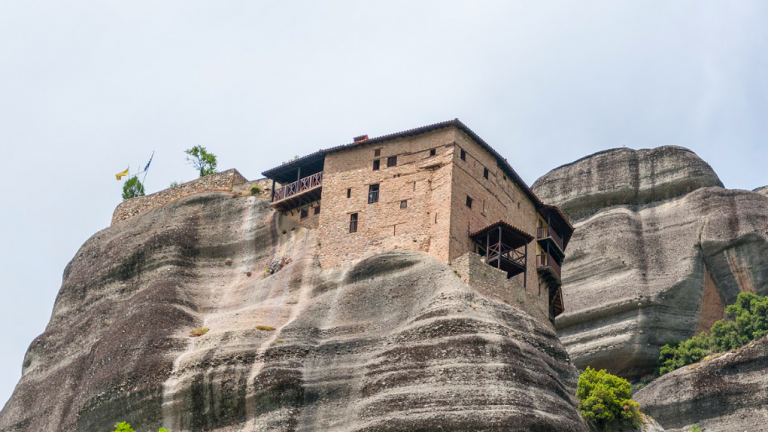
(121, 174)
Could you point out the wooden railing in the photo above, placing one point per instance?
(546, 260)
(547, 231)
(299, 186)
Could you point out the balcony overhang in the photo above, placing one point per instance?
(500, 244)
(299, 193)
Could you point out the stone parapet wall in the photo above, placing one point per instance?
(493, 283)
(265, 184)
(225, 180)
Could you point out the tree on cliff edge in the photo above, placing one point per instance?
(204, 162)
(132, 188)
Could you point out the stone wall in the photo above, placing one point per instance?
(492, 282)
(421, 180)
(225, 180)
(493, 199)
(265, 184)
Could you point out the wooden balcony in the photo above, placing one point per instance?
(545, 262)
(301, 192)
(547, 233)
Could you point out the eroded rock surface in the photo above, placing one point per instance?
(725, 394)
(396, 343)
(659, 249)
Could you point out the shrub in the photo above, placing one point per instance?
(265, 328)
(174, 184)
(255, 190)
(198, 332)
(125, 427)
(605, 399)
(695, 428)
(746, 320)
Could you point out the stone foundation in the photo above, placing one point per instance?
(225, 180)
(493, 283)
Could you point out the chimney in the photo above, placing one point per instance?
(361, 138)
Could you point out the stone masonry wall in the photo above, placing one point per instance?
(225, 180)
(421, 180)
(492, 282)
(493, 199)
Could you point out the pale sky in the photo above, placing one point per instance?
(90, 87)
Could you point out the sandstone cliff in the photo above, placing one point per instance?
(395, 343)
(660, 247)
(725, 394)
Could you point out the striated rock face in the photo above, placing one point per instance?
(395, 343)
(659, 249)
(725, 394)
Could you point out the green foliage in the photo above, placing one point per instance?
(174, 184)
(678, 354)
(255, 190)
(204, 162)
(695, 428)
(125, 427)
(132, 188)
(747, 320)
(606, 399)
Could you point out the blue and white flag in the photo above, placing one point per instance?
(150, 161)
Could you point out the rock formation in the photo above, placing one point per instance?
(397, 342)
(725, 394)
(660, 248)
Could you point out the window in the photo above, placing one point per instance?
(485, 173)
(433, 152)
(353, 223)
(392, 161)
(463, 155)
(317, 209)
(403, 204)
(349, 193)
(373, 193)
(376, 165)
(377, 152)
(469, 201)
(304, 212)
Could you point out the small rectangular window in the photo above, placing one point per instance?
(377, 152)
(373, 193)
(485, 173)
(353, 223)
(403, 204)
(463, 155)
(433, 152)
(317, 209)
(304, 212)
(349, 193)
(392, 161)
(376, 164)
(469, 201)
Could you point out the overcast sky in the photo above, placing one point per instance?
(90, 87)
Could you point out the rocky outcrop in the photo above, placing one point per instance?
(762, 190)
(397, 342)
(725, 394)
(659, 249)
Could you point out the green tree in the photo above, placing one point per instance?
(125, 427)
(678, 354)
(204, 162)
(132, 188)
(746, 320)
(606, 399)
